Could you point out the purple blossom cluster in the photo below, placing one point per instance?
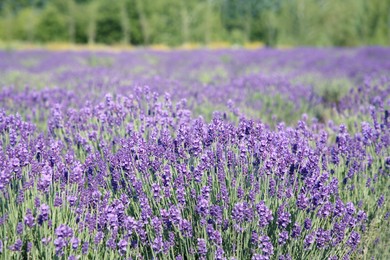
(136, 175)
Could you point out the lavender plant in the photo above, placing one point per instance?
(135, 174)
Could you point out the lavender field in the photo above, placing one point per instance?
(201, 154)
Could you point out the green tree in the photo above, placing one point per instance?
(52, 25)
(125, 21)
(173, 22)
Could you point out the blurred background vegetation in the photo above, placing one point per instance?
(177, 22)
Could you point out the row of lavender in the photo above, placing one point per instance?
(304, 78)
(136, 175)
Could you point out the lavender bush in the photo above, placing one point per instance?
(195, 155)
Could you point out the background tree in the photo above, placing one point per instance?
(125, 21)
(174, 22)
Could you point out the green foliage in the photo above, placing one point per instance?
(51, 26)
(174, 22)
(274, 108)
(98, 61)
(108, 28)
(332, 91)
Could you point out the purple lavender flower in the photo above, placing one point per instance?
(219, 254)
(59, 244)
(216, 213)
(17, 246)
(180, 194)
(186, 228)
(29, 246)
(175, 215)
(157, 244)
(238, 212)
(19, 228)
(296, 232)
(57, 201)
(37, 202)
(203, 207)
(29, 219)
(46, 240)
(77, 174)
(283, 218)
(354, 239)
(20, 198)
(74, 241)
(202, 247)
(381, 201)
(98, 237)
(44, 214)
(350, 208)
(283, 237)
(339, 208)
(85, 248)
(309, 240)
(110, 243)
(45, 180)
(302, 201)
(307, 223)
(325, 210)
(72, 200)
(266, 246)
(254, 238)
(259, 257)
(322, 238)
(361, 216)
(285, 257)
(156, 191)
(265, 214)
(272, 186)
(64, 231)
(241, 212)
(122, 245)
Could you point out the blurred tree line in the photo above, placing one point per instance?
(174, 22)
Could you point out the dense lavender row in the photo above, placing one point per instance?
(255, 81)
(94, 166)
